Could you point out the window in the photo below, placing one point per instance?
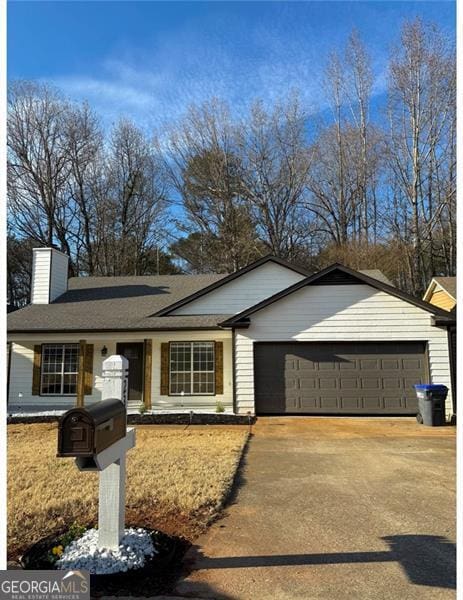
(60, 365)
(192, 368)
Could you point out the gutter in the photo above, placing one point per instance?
(242, 324)
(97, 330)
(438, 321)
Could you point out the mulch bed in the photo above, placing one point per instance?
(154, 419)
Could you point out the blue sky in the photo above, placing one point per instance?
(150, 60)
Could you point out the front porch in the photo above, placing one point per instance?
(169, 371)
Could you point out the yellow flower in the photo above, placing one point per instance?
(57, 550)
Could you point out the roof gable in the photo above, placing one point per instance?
(446, 284)
(266, 260)
(335, 274)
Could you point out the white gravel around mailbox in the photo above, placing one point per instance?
(136, 546)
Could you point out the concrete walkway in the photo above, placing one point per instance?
(335, 509)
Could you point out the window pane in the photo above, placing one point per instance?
(203, 356)
(51, 384)
(180, 382)
(56, 360)
(203, 383)
(70, 384)
(180, 356)
(187, 355)
(203, 376)
(71, 359)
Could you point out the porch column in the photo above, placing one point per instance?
(81, 374)
(148, 366)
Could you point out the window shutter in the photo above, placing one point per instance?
(165, 369)
(81, 374)
(147, 374)
(219, 367)
(36, 370)
(88, 368)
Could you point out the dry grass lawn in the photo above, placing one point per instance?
(177, 479)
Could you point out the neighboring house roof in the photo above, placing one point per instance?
(217, 284)
(331, 275)
(448, 284)
(116, 303)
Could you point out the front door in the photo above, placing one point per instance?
(133, 352)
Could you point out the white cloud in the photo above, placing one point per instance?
(155, 86)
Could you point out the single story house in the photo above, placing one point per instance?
(267, 339)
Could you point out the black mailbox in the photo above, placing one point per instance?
(87, 431)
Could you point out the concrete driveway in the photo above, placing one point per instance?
(334, 508)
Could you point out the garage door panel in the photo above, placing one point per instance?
(307, 384)
(411, 363)
(367, 364)
(347, 383)
(338, 377)
(394, 403)
(373, 403)
(351, 404)
(327, 366)
(308, 402)
(391, 383)
(325, 383)
(348, 365)
(329, 403)
(371, 384)
(390, 364)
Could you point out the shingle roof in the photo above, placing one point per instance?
(123, 303)
(449, 284)
(116, 303)
(376, 274)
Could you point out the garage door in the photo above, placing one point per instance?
(338, 378)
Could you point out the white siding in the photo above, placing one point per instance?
(22, 367)
(46, 285)
(40, 276)
(343, 313)
(22, 360)
(59, 274)
(243, 292)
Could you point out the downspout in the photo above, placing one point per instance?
(234, 370)
(10, 352)
(451, 331)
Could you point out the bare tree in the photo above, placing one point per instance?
(86, 178)
(19, 270)
(421, 105)
(359, 86)
(205, 169)
(131, 205)
(276, 163)
(344, 175)
(217, 191)
(38, 164)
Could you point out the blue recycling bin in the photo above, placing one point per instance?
(431, 404)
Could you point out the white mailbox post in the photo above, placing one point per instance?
(116, 378)
(111, 462)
